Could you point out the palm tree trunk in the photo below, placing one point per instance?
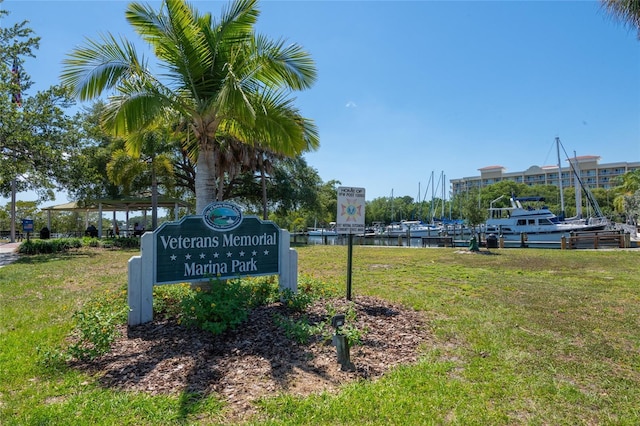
(220, 182)
(154, 198)
(263, 183)
(205, 177)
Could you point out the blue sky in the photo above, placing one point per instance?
(411, 88)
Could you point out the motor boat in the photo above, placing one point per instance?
(529, 216)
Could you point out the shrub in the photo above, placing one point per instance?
(263, 290)
(296, 302)
(349, 329)
(123, 243)
(167, 300)
(299, 330)
(222, 307)
(95, 332)
(91, 241)
(302, 330)
(58, 245)
(96, 325)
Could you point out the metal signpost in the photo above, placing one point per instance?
(350, 221)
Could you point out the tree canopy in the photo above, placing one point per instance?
(37, 137)
(227, 83)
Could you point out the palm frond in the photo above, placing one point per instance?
(137, 104)
(284, 65)
(100, 65)
(627, 11)
(281, 126)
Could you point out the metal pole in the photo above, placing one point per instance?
(13, 212)
(349, 260)
(560, 178)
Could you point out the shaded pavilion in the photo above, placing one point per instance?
(126, 205)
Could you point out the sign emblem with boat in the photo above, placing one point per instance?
(221, 216)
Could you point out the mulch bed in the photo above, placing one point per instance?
(257, 359)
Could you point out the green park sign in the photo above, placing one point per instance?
(191, 251)
(219, 244)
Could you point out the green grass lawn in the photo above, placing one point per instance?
(521, 336)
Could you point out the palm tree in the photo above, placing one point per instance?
(139, 168)
(627, 11)
(238, 158)
(627, 185)
(219, 76)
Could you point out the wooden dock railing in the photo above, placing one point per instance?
(598, 239)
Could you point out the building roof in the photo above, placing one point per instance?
(123, 204)
(580, 158)
(492, 168)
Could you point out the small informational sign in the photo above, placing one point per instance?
(351, 204)
(27, 225)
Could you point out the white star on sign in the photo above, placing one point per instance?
(229, 254)
(253, 253)
(216, 254)
(174, 257)
(202, 255)
(241, 254)
(187, 256)
(266, 252)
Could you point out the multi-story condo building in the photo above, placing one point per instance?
(592, 174)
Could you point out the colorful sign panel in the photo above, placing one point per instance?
(351, 203)
(221, 243)
(27, 225)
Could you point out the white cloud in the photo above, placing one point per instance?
(351, 104)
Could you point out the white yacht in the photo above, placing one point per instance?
(537, 222)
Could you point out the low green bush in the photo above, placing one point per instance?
(57, 245)
(95, 329)
(300, 330)
(167, 300)
(123, 243)
(224, 306)
(263, 290)
(91, 241)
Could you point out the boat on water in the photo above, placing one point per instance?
(529, 216)
(413, 228)
(321, 232)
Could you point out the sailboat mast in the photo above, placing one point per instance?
(392, 218)
(576, 169)
(560, 178)
(443, 179)
(432, 209)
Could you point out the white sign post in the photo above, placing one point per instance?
(350, 220)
